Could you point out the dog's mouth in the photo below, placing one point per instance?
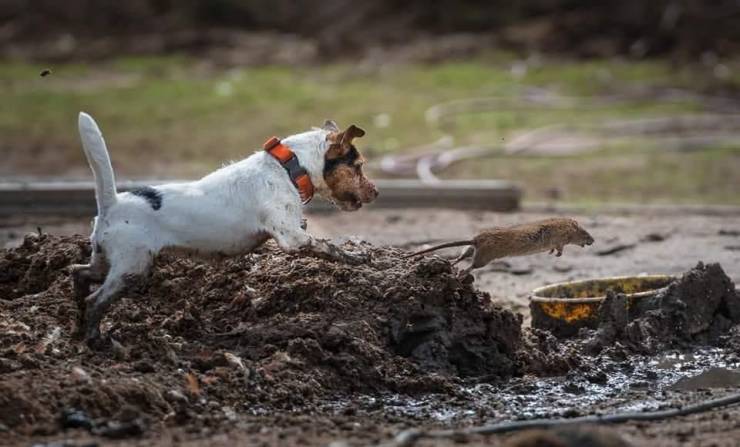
(587, 243)
(349, 202)
(352, 205)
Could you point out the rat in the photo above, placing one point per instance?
(518, 240)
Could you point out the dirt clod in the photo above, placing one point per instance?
(698, 308)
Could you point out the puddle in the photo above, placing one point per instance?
(641, 383)
(711, 378)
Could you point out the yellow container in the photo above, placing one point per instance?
(565, 308)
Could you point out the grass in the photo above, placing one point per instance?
(177, 117)
(709, 177)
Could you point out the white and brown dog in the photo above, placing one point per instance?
(230, 211)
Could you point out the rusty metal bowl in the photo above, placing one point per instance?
(565, 308)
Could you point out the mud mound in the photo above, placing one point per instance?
(38, 263)
(701, 308)
(698, 308)
(263, 331)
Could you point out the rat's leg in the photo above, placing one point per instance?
(466, 253)
(478, 262)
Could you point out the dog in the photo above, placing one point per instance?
(230, 211)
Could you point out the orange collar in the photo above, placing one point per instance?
(298, 175)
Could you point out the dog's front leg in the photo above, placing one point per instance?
(324, 249)
(299, 241)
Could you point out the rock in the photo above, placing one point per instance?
(79, 375)
(121, 430)
(711, 378)
(614, 249)
(562, 268)
(144, 366)
(75, 418)
(567, 437)
(175, 397)
(66, 444)
(119, 351)
(234, 361)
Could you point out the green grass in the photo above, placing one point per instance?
(709, 177)
(176, 117)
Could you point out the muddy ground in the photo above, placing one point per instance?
(281, 350)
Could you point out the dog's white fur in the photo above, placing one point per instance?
(232, 210)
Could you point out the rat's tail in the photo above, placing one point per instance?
(97, 156)
(439, 247)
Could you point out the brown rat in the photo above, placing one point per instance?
(518, 240)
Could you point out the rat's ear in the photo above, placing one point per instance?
(331, 126)
(350, 134)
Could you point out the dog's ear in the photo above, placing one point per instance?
(342, 141)
(350, 134)
(336, 150)
(331, 126)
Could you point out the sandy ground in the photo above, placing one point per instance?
(654, 244)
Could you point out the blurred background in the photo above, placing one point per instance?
(577, 101)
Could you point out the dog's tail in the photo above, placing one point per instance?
(439, 247)
(97, 156)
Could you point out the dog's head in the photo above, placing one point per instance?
(347, 184)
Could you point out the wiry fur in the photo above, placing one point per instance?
(232, 210)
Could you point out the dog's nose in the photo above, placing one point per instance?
(376, 193)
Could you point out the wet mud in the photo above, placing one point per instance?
(206, 344)
(697, 309)
(700, 308)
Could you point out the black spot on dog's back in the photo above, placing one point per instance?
(149, 194)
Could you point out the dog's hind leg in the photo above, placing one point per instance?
(83, 276)
(130, 267)
(81, 279)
